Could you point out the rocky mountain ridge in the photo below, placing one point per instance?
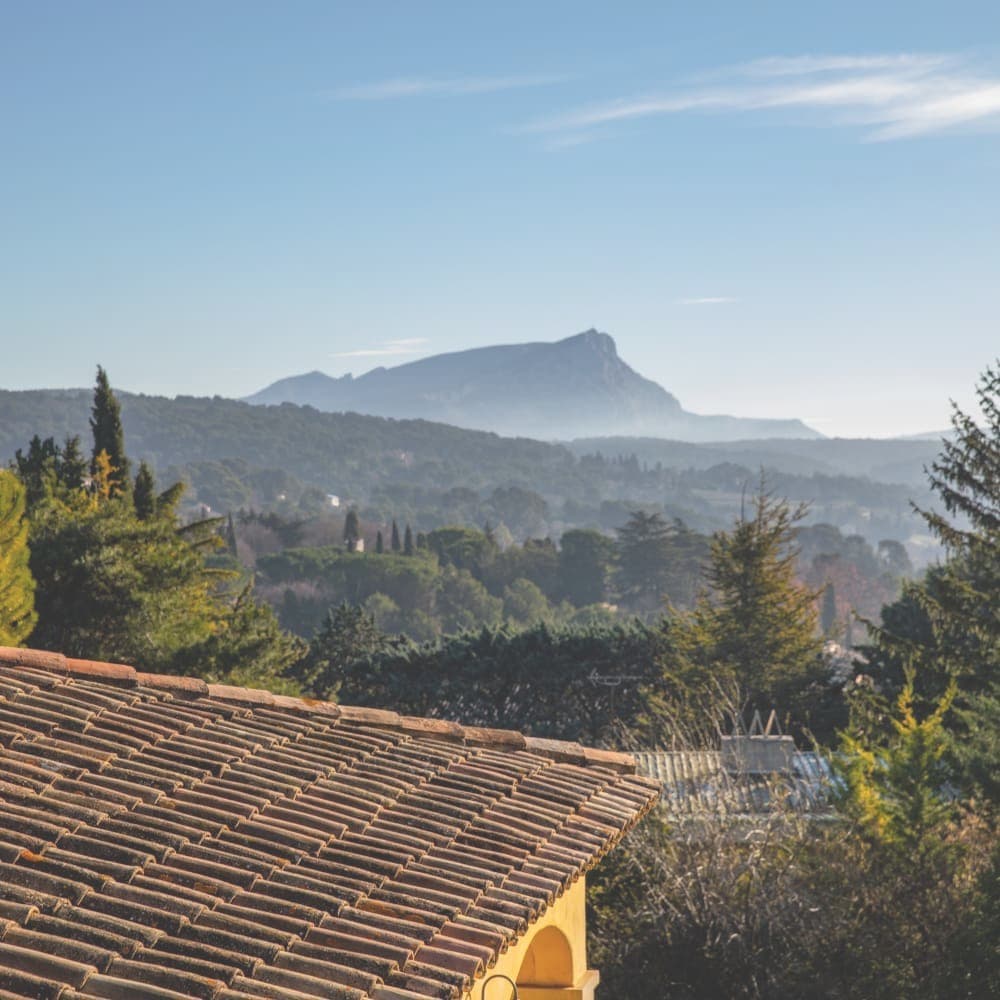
(576, 387)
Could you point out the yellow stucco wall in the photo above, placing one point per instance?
(550, 961)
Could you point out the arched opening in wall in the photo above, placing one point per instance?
(549, 961)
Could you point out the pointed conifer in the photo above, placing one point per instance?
(352, 530)
(408, 542)
(106, 426)
(230, 534)
(144, 493)
(379, 544)
(72, 464)
(828, 610)
(395, 536)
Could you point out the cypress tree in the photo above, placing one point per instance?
(17, 586)
(352, 529)
(230, 534)
(408, 542)
(395, 536)
(106, 426)
(379, 545)
(828, 610)
(144, 493)
(72, 465)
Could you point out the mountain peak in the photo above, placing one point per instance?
(575, 387)
(594, 340)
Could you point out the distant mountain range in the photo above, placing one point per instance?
(577, 387)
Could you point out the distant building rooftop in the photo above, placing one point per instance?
(702, 784)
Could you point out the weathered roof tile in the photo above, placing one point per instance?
(165, 838)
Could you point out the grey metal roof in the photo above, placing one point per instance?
(696, 783)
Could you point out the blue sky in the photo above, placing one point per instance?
(776, 209)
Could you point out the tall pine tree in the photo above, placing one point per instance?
(756, 625)
(395, 537)
(946, 627)
(106, 426)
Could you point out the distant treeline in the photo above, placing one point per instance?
(460, 577)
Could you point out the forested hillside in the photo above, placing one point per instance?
(290, 458)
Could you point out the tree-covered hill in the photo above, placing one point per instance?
(324, 449)
(234, 455)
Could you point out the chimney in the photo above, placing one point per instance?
(762, 750)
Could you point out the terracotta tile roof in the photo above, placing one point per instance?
(165, 838)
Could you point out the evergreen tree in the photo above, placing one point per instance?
(585, 560)
(525, 604)
(644, 552)
(352, 529)
(247, 647)
(118, 577)
(756, 625)
(395, 537)
(894, 786)
(893, 556)
(946, 627)
(38, 469)
(109, 438)
(408, 542)
(538, 680)
(828, 610)
(144, 493)
(114, 587)
(230, 534)
(348, 634)
(462, 602)
(17, 586)
(379, 545)
(72, 466)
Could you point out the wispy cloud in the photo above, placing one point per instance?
(801, 65)
(405, 342)
(707, 300)
(891, 96)
(397, 88)
(387, 349)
